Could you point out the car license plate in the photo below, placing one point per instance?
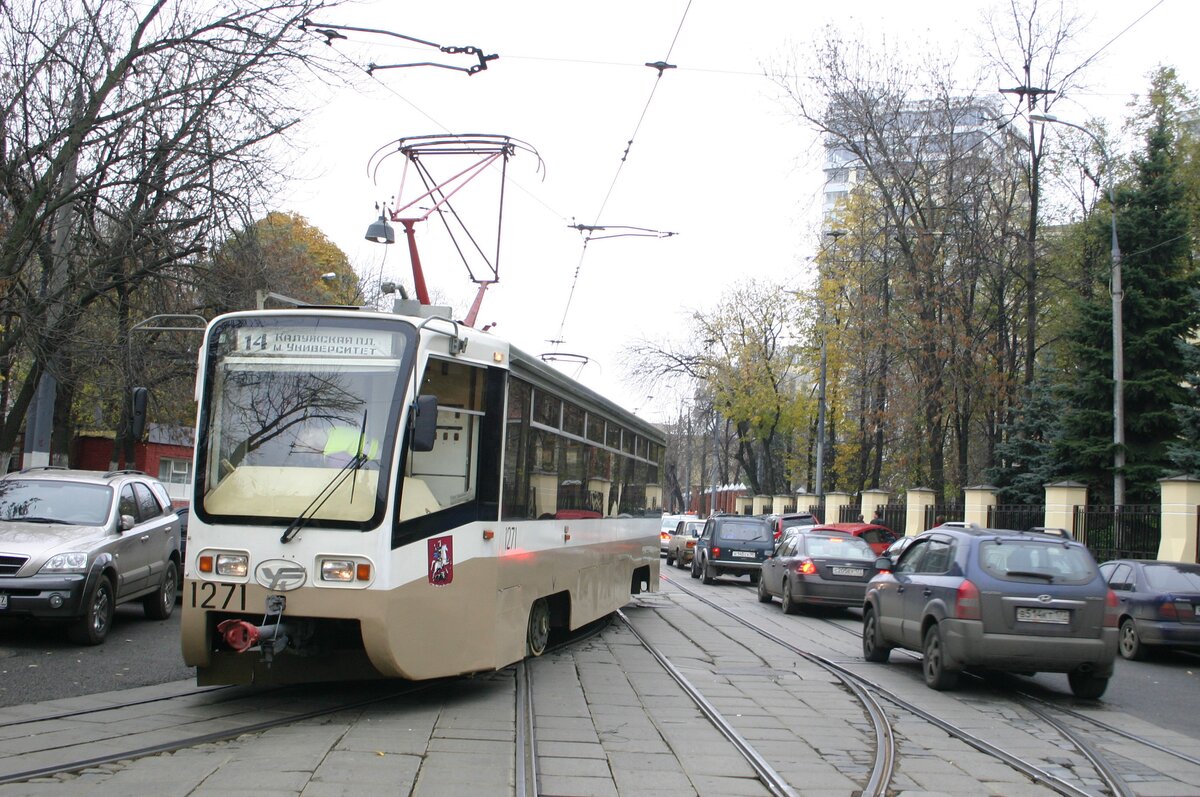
(3, 601)
(857, 572)
(742, 554)
(1028, 615)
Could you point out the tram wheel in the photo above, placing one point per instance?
(539, 628)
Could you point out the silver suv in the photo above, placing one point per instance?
(75, 543)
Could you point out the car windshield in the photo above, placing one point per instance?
(792, 522)
(1173, 578)
(831, 547)
(37, 501)
(745, 532)
(1020, 559)
(693, 529)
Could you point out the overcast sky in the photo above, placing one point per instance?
(715, 156)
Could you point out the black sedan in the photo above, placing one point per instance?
(827, 569)
(1160, 604)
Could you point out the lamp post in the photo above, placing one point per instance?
(1118, 356)
(822, 377)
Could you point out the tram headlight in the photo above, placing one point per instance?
(234, 565)
(337, 570)
(344, 571)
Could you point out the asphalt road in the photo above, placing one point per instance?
(39, 663)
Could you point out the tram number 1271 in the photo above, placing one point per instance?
(212, 595)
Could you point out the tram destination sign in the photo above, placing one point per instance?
(308, 342)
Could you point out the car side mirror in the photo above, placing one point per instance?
(884, 563)
(127, 522)
(423, 422)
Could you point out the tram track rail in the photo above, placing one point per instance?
(774, 782)
(1078, 738)
(1114, 783)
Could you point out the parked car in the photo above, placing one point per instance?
(669, 522)
(184, 513)
(878, 537)
(732, 545)
(1160, 604)
(75, 543)
(682, 546)
(898, 547)
(791, 520)
(814, 567)
(1005, 600)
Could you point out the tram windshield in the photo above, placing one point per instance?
(288, 402)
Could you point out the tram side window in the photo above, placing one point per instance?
(515, 497)
(449, 470)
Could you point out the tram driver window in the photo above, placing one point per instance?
(449, 470)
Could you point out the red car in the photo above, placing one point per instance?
(878, 537)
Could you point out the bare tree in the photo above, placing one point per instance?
(131, 135)
(924, 151)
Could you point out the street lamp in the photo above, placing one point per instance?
(1118, 357)
(819, 475)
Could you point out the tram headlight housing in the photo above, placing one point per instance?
(340, 570)
(233, 565)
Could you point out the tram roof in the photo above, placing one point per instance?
(531, 366)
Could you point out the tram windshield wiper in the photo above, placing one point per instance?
(349, 469)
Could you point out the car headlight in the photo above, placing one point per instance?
(73, 562)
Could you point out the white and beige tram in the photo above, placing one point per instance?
(379, 495)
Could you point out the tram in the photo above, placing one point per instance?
(396, 495)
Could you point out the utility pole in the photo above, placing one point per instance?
(819, 475)
(1028, 95)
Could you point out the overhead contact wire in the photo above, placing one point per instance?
(612, 185)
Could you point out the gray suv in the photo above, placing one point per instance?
(75, 543)
(734, 545)
(1020, 602)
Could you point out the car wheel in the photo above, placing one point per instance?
(934, 662)
(92, 628)
(159, 604)
(538, 633)
(786, 600)
(670, 559)
(1130, 644)
(1086, 685)
(695, 567)
(763, 595)
(874, 648)
(682, 565)
(710, 573)
(754, 577)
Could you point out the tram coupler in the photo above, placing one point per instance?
(272, 637)
(242, 636)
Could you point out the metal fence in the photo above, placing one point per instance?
(850, 513)
(936, 514)
(1020, 517)
(1119, 532)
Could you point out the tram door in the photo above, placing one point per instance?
(449, 470)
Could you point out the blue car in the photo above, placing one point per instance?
(996, 599)
(1160, 604)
